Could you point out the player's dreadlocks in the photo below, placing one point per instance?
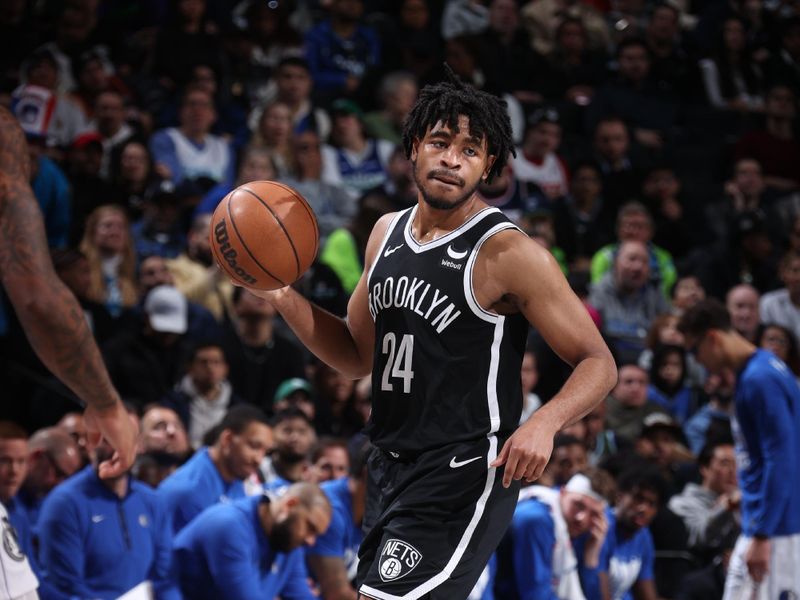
(446, 101)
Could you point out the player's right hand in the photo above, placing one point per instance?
(116, 426)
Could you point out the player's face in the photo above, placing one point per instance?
(333, 464)
(13, 466)
(580, 512)
(163, 431)
(637, 509)
(449, 164)
(246, 450)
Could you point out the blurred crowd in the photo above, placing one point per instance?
(657, 158)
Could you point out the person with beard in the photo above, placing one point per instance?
(290, 460)
(713, 419)
(217, 473)
(252, 548)
(446, 358)
(100, 538)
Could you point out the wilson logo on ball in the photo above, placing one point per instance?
(229, 254)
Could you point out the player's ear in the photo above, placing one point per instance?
(414, 146)
(489, 164)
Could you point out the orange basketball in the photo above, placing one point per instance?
(264, 235)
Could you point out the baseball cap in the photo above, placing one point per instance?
(290, 386)
(544, 115)
(660, 421)
(346, 107)
(87, 138)
(166, 308)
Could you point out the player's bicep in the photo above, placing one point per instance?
(547, 301)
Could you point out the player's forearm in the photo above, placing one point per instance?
(589, 384)
(324, 334)
(57, 329)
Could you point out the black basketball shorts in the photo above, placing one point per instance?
(432, 521)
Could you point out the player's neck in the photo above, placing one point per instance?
(432, 223)
(738, 350)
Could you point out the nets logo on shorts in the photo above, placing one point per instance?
(397, 560)
(10, 543)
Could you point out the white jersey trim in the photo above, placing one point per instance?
(445, 573)
(469, 289)
(418, 248)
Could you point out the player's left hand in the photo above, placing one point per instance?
(757, 559)
(116, 426)
(526, 452)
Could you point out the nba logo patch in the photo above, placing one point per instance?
(397, 560)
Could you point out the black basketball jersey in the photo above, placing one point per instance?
(444, 370)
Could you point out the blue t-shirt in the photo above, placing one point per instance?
(533, 539)
(224, 553)
(195, 486)
(631, 559)
(766, 428)
(343, 536)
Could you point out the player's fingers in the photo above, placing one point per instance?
(502, 457)
(510, 469)
(111, 468)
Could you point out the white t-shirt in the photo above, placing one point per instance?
(17, 581)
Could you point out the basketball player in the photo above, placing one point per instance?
(56, 328)
(766, 428)
(440, 319)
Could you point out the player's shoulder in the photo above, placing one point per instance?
(764, 367)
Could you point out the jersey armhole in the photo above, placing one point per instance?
(385, 239)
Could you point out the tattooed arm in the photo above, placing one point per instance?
(50, 315)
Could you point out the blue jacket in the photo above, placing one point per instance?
(767, 433)
(225, 553)
(195, 486)
(332, 59)
(51, 188)
(95, 545)
(343, 536)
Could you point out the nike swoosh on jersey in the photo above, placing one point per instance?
(455, 254)
(455, 464)
(390, 250)
(97, 518)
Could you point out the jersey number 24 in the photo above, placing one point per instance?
(398, 365)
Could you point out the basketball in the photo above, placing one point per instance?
(264, 235)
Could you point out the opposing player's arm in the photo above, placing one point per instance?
(331, 574)
(50, 315)
(344, 344)
(516, 271)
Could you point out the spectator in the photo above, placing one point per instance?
(670, 62)
(102, 537)
(775, 146)
(290, 460)
(668, 382)
(196, 274)
(768, 441)
(335, 401)
(159, 232)
(273, 134)
(204, 394)
(132, 175)
(537, 160)
(530, 377)
(333, 559)
(341, 51)
(329, 459)
(781, 342)
(94, 74)
(88, 189)
(782, 307)
(216, 473)
(582, 219)
(332, 204)
(397, 94)
(635, 223)
(252, 548)
(295, 393)
(516, 198)
(352, 160)
(713, 420)
(541, 19)
(742, 304)
(108, 246)
(687, 292)
(256, 164)
(628, 404)
(601, 441)
(146, 362)
(568, 459)
(293, 85)
(675, 224)
(259, 358)
(53, 457)
(627, 302)
(109, 122)
(621, 176)
(661, 443)
(744, 193)
(191, 151)
(541, 533)
(632, 559)
(731, 77)
(51, 188)
(712, 506)
(782, 65)
(73, 424)
(649, 109)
